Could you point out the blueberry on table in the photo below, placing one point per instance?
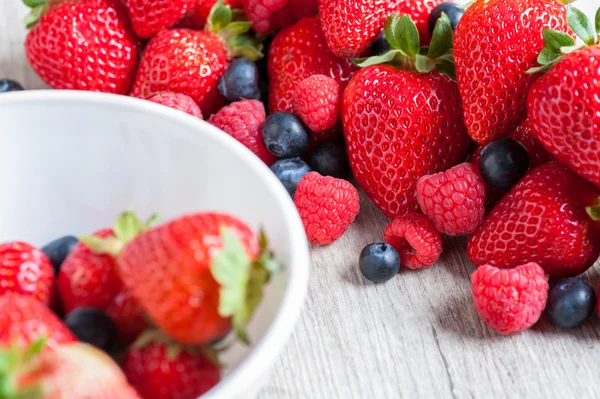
(7, 85)
(330, 159)
(379, 262)
(380, 46)
(92, 326)
(570, 302)
(57, 250)
(284, 135)
(452, 10)
(240, 81)
(289, 172)
(503, 162)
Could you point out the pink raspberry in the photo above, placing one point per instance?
(270, 15)
(416, 240)
(510, 300)
(178, 101)
(327, 206)
(243, 121)
(453, 200)
(317, 102)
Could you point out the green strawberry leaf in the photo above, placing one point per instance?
(546, 57)
(34, 3)
(407, 35)
(377, 59)
(127, 227)
(390, 31)
(31, 19)
(597, 23)
(424, 64)
(594, 211)
(15, 362)
(220, 15)
(446, 67)
(554, 40)
(441, 40)
(581, 25)
(108, 245)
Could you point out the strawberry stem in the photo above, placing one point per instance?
(15, 365)
(38, 9)
(594, 211)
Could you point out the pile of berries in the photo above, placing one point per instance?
(479, 121)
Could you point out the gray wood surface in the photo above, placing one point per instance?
(417, 336)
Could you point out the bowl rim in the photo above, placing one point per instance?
(265, 351)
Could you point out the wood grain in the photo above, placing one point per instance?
(417, 336)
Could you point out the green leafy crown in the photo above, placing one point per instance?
(15, 363)
(38, 8)
(594, 211)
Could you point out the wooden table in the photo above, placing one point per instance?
(417, 336)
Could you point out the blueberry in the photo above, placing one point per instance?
(381, 45)
(330, 159)
(570, 302)
(92, 326)
(240, 81)
(57, 250)
(503, 162)
(452, 10)
(7, 85)
(290, 172)
(379, 262)
(284, 135)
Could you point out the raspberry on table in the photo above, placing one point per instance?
(510, 300)
(178, 101)
(243, 121)
(316, 101)
(416, 239)
(453, 200)
(327, 206)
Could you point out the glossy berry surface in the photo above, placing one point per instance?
(57, 250)
(416, 240)
(380, 46)
(240, 81)
(570, 302)
(503, 163)
(284, 135)
(92, 326)
(317, 102)
(452, 10)
(327, 207)
(7, 85)
(509, 300)
(330, 159)
(289, 172)
(379, 262)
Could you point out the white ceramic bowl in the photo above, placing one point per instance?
(71, 161)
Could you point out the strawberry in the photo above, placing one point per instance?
(271, 15)
(564, 104)
(496, 42)
(197, 275)
(25, 270)
(24, 320)
(148, 17)
(128, 316)
(543, 220)
(296, 53)
(161, 369)
(419, 11)
(196, 19)
(81, 45)
(35, 372)
(192, 62)
(403, 121)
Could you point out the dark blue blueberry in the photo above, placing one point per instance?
(452, 10)
(290, 172)
(240, 81)
(570, 302)
(379, 262)
(92, 326)
(7, 85)
(381, 45)
(284, 135)
(57, 250)
(503, 162)
(330, 159)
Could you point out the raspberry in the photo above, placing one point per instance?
(510, 300)
(416, 240)
(317, 102)
(327, 206)
(453, 200)
(178, 101)
(270, 15)
(243, 121)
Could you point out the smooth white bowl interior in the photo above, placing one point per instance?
(71, 161)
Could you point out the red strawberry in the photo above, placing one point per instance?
(197, 18)
(197, 289)
(542, 219)
(82, 45)
(270, 15)
(163, 370)
(564, 104)
(69, 371)
(128, 316)
(401, 124)
(148, 17)
(296, 53)
(24, 320)
(496, 42)
(25, 270)
(192, 62)
(419, 11)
